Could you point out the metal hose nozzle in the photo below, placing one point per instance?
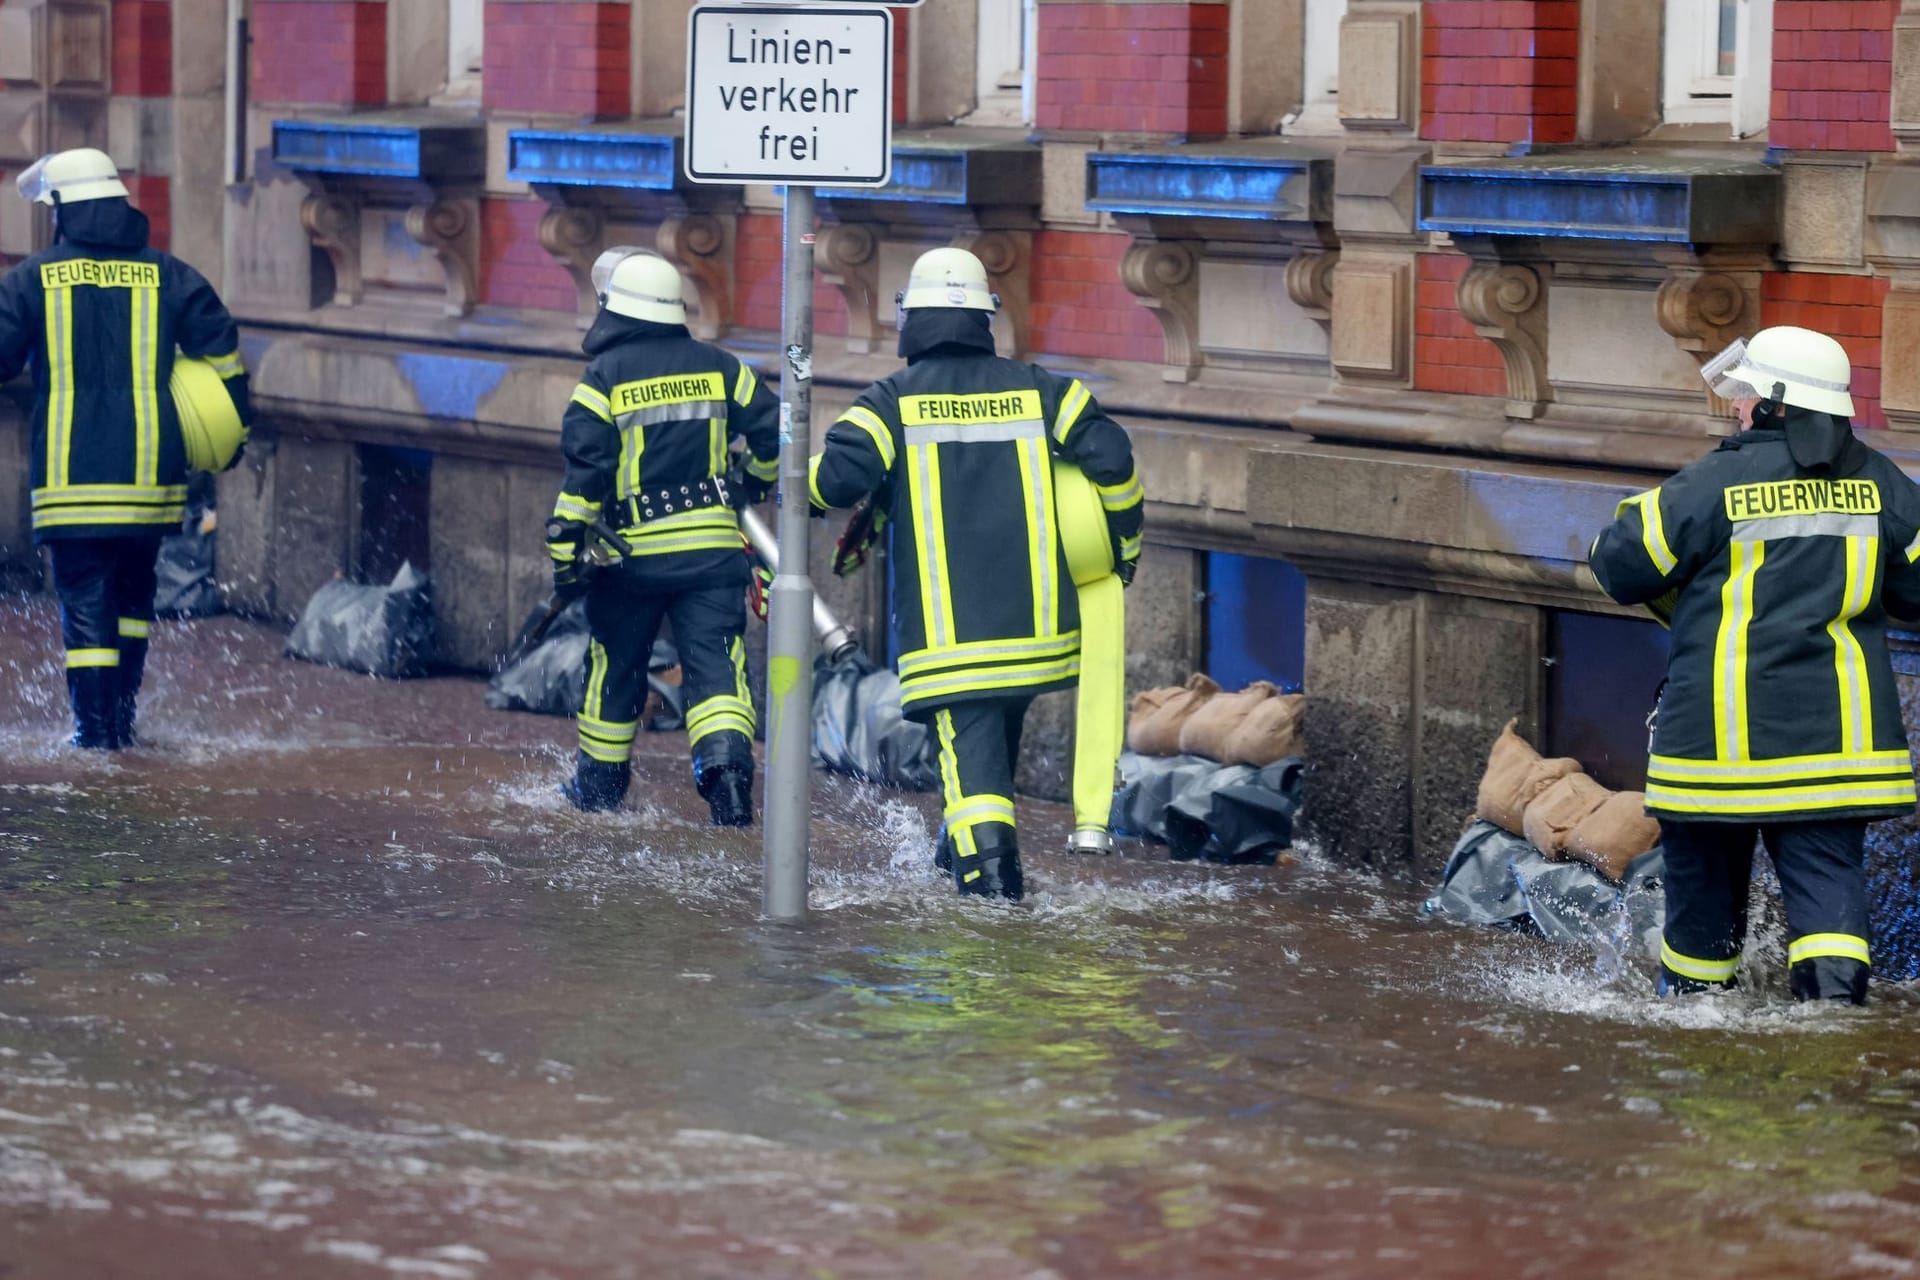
(837, 639)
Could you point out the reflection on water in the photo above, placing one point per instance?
(327, 982)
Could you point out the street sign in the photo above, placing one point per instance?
(790, 95)
(864, 4)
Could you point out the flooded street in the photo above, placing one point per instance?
(325, 981)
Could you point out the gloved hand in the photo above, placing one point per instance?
(746, 491)
(856, 543)
(759, 583)
(566, 543)
(1126, 569)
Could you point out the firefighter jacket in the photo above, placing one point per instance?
(99, 316)
(1776, 582)
(651, 426)
(957, 449)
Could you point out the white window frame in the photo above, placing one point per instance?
(466, 48)
(1005, 35)
(1319, 69)
(1692, 89)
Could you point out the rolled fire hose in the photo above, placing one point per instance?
(1100, 715)
(836, 638)
(209, 424)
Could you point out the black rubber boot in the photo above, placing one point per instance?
(993, 870)
(1830, 978)
(943, 852)
(133, 665)
(91, 690)
(723, 774)
(596, 786)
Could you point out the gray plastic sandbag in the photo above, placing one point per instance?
(1237, 814)
(859, 730)
(184, 585)
(1148, 785)
(383, 631)
(550, 678)
(1496, 878)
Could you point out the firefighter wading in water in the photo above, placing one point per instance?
(648, 439)
(1776, 560)
(100, 315)
(955, 451)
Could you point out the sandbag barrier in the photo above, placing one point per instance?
(858, 729)
(1496, 878)
(383, 631)
(1206, 811)
(551, 678)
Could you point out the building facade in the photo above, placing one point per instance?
(1398, 298)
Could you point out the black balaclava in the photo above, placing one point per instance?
(930, 331)
(111, 223)
(1817, 441)
(610, 329)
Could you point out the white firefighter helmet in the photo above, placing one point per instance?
(640, 285)
(70, 177)
(948, 278)
(1809, 370)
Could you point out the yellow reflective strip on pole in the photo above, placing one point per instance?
(1100, 716)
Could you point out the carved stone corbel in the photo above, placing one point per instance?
(1165, 276)
(1310, 283)
(332, 222)
(451, 229)
(1506, 302)
(849, 258)
(1008, 258)
(575, 237)
(1705, 310)
(696, 243)
(1900, 331)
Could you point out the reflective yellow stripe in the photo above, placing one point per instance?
(1700, 970)
(227, 366)
(62, 517)
(1653, 532)
(1849, 659)
(593, 402)
(1730, 652)
(684, 542)
(744, 386)
(59, 384)
(1780, 768)
(596, 681)
(1755, 800)
(769, 469)
(813, 483)
(1072, 405)
(869, 421)
(1130, 547)
(716, 446)
(633, 443)
(971, 811)
(109, 495)
(950, 791)
(135, 629)
(146, 431)
(1913, 549)
(1043, 536)
(571, 506)
(77, 658)
(920, 661)
(929, 514)
(987, 680)
(1813, 945)
(684, 522)
(724, 711)
(1121, 497)
(611, 730)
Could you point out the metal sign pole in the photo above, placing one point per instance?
(788, 808)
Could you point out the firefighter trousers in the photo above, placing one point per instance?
(624, 613)
(106, 589)
(1822, 872)
(979, 748)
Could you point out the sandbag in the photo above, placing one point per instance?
(1498, 879)
(1516, 773)
(1612, 836)
(184, 585)
(1159, 733)
(1144, 705)
(383, 631)
(1148, 785)
(1205, 810)
(1271, 732)
(858, 728)
(1206, 731)
(550, 678)
(1555, 812)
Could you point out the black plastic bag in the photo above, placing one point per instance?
(1496, 878)
(858, 728)
(1201, 809)
(383, 631)
(184, 582)
(550, 678)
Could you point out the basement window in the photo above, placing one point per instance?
(1718, 64)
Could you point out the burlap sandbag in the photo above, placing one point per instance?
(1616, 833)
(1516, 773)
(1158, 733)
(1143, 708)
(1270, 733)
(1207, 730)
(1555, 812)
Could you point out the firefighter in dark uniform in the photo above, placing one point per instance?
(1776, 561)
(648, 441)
(956, 451)
(99, 315)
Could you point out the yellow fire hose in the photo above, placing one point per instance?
(209, 424)
(1100, 717)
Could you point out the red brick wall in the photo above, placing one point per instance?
(153, 197)
(1154, 68)
(901, 19)
(330, 52)
(1080, 308)
(1499, 70)
(142, 48)
(1447, 354)
(1848, 308)
(514, 270)
(569, 58)
(1833, 74)
(759, 273)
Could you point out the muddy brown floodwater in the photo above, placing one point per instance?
(324, 981)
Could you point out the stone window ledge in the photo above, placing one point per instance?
(417, 172)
